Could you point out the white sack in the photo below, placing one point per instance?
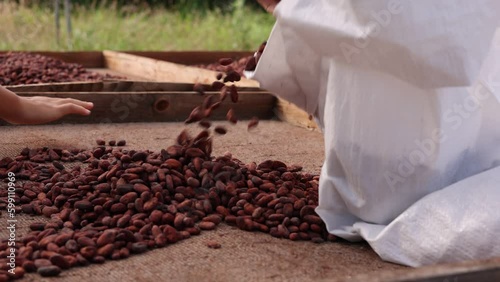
(407, 95)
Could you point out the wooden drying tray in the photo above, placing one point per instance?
(129, 101)
(171, 66)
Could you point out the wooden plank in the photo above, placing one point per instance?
(191, 57)
(122, 76)
(120, 107)
(469, 271)
(88, 59)
(156, 70)
(292, 114)
(111, 86)
(57, 87)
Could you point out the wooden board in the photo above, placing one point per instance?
(289, 112)
(156, 70)
(191, 57)
(111, 86)
(121, 76)
(120, 107)
(469, 271)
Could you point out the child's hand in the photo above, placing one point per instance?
(38, 110)
(268, 5)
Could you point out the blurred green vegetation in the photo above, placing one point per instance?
(99, 25)
(177, 5)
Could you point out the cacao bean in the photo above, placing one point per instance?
(49, 271)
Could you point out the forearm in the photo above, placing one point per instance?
(10, 104)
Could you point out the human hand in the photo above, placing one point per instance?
(268, 5)
(38, 110)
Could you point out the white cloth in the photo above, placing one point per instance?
(407, 94)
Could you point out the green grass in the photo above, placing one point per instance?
(100, 28)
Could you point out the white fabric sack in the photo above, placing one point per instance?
(407, 95)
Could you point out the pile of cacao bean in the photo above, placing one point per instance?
(126, 202)
(26, 68)
(239, 65)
